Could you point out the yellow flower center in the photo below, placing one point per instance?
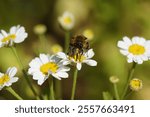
(50, 66)
(67, 20)
(136, 84)
(78, 57)
(136, 49)
(9, 37)
(5, 78)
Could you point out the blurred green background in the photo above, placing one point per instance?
(110, 20)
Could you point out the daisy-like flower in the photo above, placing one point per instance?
(78, 60)
(137, 50)
(66, 21)
(16, 34)
(136, 84)
(6, 79)
(45, 65)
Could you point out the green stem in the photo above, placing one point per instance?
(58, 89)
(43, 43)
(9, 89)
(128, 94)
(74, 84)
(116, 92)
(130, 75)
(51, 85)
(67, 37)
(23, 70)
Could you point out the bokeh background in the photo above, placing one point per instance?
(109, 20)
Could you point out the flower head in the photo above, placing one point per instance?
(66, 21)
(16, 34)
(114, 79)
(78, 59)
(89, 34)
(45, 65)
(6, 79)
(39, 29)
(137, 50)
(136, 84)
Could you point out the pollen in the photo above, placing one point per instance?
(5, 78)
(9, 37)
(50, 66)
(78, 58)
(135, 84)
(136, 49)
(67, 20)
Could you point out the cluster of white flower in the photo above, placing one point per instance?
(45, 65)
(16, 34)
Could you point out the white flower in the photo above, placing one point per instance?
(137, 50)
(84, 58)
(66, 21)
(45, 65)
(16, 34)
(8, 78)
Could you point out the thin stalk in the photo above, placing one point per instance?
(116, 91)
(23, 70)
(67, 37)
(130, 75)
(58, 89)
(126, 96)
(9, 89)
(74, 84)
(51, 86)
(43, 43)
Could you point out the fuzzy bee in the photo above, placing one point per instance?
(78, 45)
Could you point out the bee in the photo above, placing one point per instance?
(78, 45)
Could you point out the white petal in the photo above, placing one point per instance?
(4, 33)
(122, 44)
(138, 60)
(35, 63)
(90, 62)
(79, 65)
(124, 52)
(12, 71)
(44, 58)
(64, 68)
(13, 30)
(62, 55)
(1, 74)
(129, 60)
(62, 74)
(21, 37)
(90, 53)
(12, 80)
(127, 40)
(40, 77)
(56, 76)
